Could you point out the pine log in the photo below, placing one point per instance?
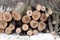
(29, 32)
(35, 32)
(41, 26)
(43, 17)
(36, 15)
(3, 24)
(7, 16)
(16, 15)
(33, 24)
(26, 19)
(18, 30)
(25, 27)
(38, 7)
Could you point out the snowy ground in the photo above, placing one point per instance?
(41, 36)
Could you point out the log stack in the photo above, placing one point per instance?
(26, 20)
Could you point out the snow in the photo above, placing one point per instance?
(40, 36)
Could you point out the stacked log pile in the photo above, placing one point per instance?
(28, 20)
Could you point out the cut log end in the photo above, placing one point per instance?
(29, 12)
(33, 24)
(11, 26)
(16, 15)
(43, 17)
(25, 27)
(18, 30)
(38, 7)
(26, 19)
(36, 15)
(43, 8)
(1, 30)
(3, 24)
(35, 32)
(8, 30)
(41, 26)
(29, 32)
(7, 16)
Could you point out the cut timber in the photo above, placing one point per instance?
(1, 16)
(29, 32)
(7, 16)
(35, 32)
(1, 30)
(8, 30)
(16, 15)
(41, 26)
(29, 12)
(47, 14)
(43, 17)
(38, 7)
(25, 27)
(26, 19)
(43, 8)
(3, 24)
(18, 30)
(11, 26)
(33, 24)
(36, 15)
